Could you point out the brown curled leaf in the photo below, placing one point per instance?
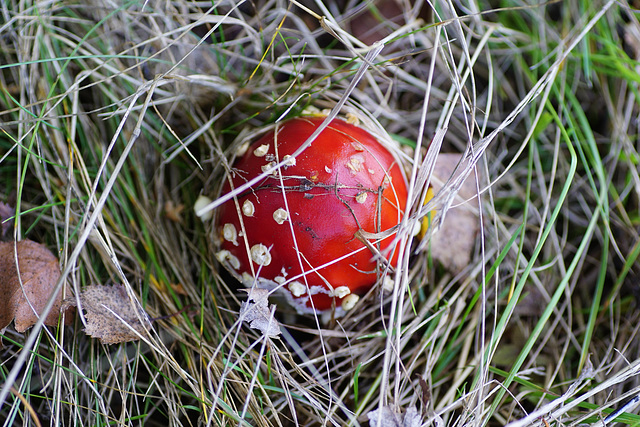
(453, 244)
(110, 314)
(27, 286)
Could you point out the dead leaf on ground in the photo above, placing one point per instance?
(387, 417)
(173, 211)
(178, 288)
(258, 313)
(110, 314)
(452, 244)
(25, 296)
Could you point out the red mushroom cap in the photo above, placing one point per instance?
(297, 228)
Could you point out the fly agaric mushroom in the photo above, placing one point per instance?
(301, 228)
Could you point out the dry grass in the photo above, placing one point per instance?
(115, 116)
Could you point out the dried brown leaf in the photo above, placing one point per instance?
(387, 417)
(452, 244)
(178, 288)
(110, 314)
(258, 313)
(25, 294)
(173, 211)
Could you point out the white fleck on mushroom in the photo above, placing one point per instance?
(355, 163)
(349, 302)
(388, 284)
(222, 255)
(242, 149)
(201, 203)
(226, 256)
(297, 289)
(260, 254)
(341, 291)
(279, 280)
(289, 159)
(268, 166)
(247, 279)
(280, 215)
(417, 228)
(261, 151)
(352, 119)
(230, 233)
(361, 197)
(247, 208)
(357, 146)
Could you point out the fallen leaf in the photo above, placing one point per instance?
(173, 211)
(25, 294)
(178, 288)
(387, 417)
(452, 244)
(258, 313)
(110, 314)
